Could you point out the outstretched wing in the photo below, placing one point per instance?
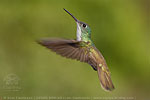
(97, 60)
(67, 48)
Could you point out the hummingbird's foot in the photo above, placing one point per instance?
(94, 68)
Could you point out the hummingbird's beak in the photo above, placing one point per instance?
(71, 15)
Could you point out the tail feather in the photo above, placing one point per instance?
(105, 80)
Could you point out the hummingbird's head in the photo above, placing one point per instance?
(83, 29)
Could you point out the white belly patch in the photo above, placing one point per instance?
(78, 33)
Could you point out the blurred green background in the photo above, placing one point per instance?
(120, 30)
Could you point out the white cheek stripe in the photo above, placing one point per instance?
(78, 33)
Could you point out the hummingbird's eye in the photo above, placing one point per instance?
(84, 25)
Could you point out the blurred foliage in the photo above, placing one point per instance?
(120, 30)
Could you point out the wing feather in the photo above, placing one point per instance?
(67, 48)
(96, 60)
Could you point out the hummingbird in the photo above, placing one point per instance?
(82, 49)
